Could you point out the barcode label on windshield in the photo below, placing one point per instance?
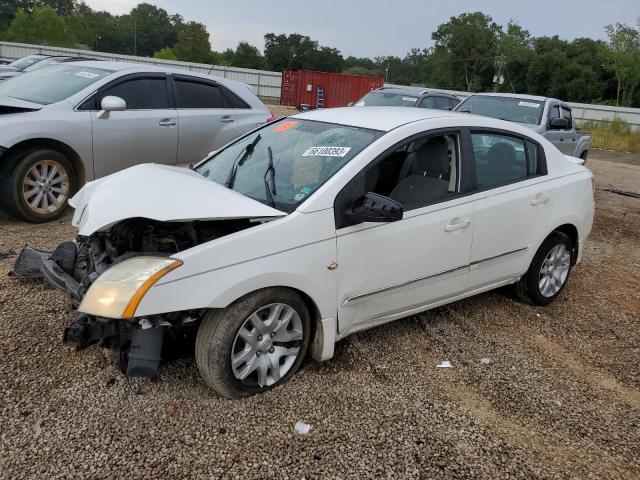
(529, 104)
(87, 75)
(326, 152)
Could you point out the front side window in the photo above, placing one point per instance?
(517, 110)
(140, 93)
(53, 84)
(415, 174)
(428, 102)
(283, 163)
(502, 159)
(387, 99)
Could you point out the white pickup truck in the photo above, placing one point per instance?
(549, 117)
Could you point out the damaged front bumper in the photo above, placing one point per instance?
(136, 344)
(56, 268)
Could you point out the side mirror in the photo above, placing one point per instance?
(111, 104)
(559, 123)
(374, 208)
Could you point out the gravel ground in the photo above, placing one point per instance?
(559, 397)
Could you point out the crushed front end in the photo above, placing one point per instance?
(136, 344)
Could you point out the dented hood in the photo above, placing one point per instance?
(159, 192)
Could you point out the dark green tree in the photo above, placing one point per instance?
(193, 44)
(247, 56)
(471, 39)
(43, 27)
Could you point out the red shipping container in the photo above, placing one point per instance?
(323, 89)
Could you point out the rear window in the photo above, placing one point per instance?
(517, 110)
(198, 95)
(386, 99)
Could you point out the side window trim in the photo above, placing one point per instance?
(542, 159)
(91, 101)
(459, 133)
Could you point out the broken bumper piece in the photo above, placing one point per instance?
(139, 349)
(55, 268)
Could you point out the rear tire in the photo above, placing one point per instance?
(549, 271)
(39, 187)
(220, 339)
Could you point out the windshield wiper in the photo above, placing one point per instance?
(270, 189)
(240, 159)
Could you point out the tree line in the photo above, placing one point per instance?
(470, 51)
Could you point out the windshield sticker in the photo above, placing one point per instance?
(87, 75)
(326, 152)
(284, 126)
(529, 104)
(409, 99)
(299, 196)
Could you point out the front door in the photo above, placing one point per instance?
(564, 139)
(392, 269)
(146, 132)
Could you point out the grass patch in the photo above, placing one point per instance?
(615, 135)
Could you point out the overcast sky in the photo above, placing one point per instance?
(368, 29)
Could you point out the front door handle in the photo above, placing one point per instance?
(457, 224)
(540, 199)
(167, 122)
(227, 119)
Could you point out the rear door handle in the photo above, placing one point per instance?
(227, 119)
(167, 122)
(540, 199)
(457, 224)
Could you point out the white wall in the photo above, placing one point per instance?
(263, 83)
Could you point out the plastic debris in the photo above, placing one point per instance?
(485, 361)
(302, 427)
(445, 364)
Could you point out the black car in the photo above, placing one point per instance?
(408, 97)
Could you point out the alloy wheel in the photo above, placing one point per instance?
(554, 270)
(45, 187)
(267, 345)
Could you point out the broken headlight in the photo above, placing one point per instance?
(118, 291)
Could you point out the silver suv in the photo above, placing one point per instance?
(70, 123)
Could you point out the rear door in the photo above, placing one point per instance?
(207, 120)
(146, 132)
(512, 206)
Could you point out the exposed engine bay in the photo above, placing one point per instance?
(136, 345)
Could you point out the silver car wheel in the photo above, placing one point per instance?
(267, 345)
(45, 187)
(554, 270)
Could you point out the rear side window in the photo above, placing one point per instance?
(442, 103)
(140, 93)
(198, 95)
(233, 100)
(499, 159)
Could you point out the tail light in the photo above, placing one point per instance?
(272, 118)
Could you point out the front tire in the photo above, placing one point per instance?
(39, 187)
(549, 271)
(255, 344)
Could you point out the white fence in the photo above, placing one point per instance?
(267, 84)
(263, 83)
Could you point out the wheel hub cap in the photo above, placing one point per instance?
(45, 187)
(554, 271)
(267, 345)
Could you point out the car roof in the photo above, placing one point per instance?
(416, 91)
(374, 118)
(517, 95)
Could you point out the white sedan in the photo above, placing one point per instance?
(311, 228)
